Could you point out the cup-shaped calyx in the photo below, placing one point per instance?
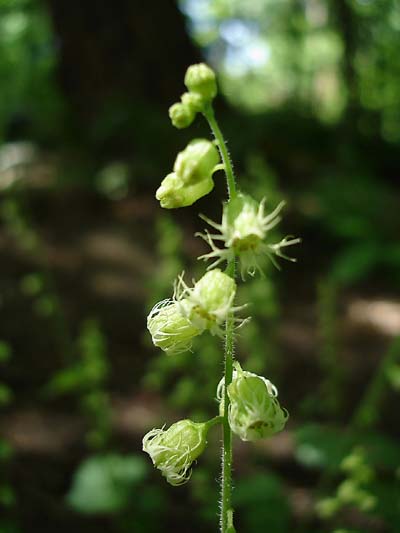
(192, 175)
(174, 450)
(209, 302)
(173, 323)
(244, 233)
(169, 329)
(254, 411)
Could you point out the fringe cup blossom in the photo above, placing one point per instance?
(169, 329)
(208, 304)
(243, 231)
(174, 450)
(254, 411)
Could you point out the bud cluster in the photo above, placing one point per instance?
(202, 86)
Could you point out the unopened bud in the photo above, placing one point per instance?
(174, 193)
(197, 161)
(194, 101)
(174, 450)
(200, 79)
(181, 115)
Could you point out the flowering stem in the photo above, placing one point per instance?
(223, 150)
(226, 490)
(214, 421)
(226, 482)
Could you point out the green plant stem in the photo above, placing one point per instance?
(367, 412)
(214, 421)
(223, 150)
(226, 481)
(226, 489)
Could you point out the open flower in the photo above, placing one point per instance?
(208, 304)
(243, 232)
(174, 450)
(254, 411)
(169, 329)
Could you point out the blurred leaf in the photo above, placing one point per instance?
(32, 284)
(388, 501)
(5, 351)
(393, 375)
(262, 504)
(6, 451)
(355, 263)
(324, 447)
(104, 483)
(321, 447)
(7, 496)
(6, 395)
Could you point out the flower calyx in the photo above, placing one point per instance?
(169, 329)
(209, 302)
(174, 450)
(244, 231)
(254, 411)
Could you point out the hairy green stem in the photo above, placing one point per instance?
(226, 477)
(226, 489)
(223, 150)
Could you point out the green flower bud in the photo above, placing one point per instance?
(181, 115)
(200, 79)
(194, 101)
(254, 411)
(197, 161)
(209, 302)
(169, 329)
(174, 450)
(174, 193)
(244, 230)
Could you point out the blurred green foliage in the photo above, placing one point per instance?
(318, 56)
(27, 63)
(86, 379)
(104, 483)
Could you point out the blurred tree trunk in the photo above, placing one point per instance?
(346, 25)
(119, 61)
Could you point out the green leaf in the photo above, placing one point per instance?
(261, 504)
(324, 447)
(104, 483)
(355, 263)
